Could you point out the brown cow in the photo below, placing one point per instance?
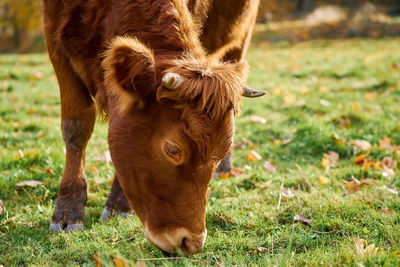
(170, 107)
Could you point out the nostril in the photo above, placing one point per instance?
(184, 246)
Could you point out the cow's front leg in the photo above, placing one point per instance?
(116, 204)
(78, 115)
(71, 200)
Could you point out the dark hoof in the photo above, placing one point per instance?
(107, 214)
(58, 227)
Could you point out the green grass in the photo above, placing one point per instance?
(242, 211)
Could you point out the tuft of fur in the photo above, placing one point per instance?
(206, 87)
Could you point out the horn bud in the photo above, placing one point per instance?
(172, 80)
(248, 92)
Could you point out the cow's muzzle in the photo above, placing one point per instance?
(179, 240)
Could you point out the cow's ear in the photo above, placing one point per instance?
(129, 72)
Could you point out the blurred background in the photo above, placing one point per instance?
(278, 20)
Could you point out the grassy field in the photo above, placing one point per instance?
(323, 95)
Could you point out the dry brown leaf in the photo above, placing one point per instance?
(370, 96)
(49, 171)
(31, 183)
(287, 141)
(367, 181)
(363, 248)
(106, 158)
(386, 144)
(352, 186)
(269, 166)
(96, 258)
(118, 262)
(11, 219)
(258, 119)
(260, 250)
(277, 142)
(302, 219)
(304, 90)
(323, 180)
(390, 190)
(238, 145)
(338, 140)
(287, 192)
(248, 142)
(254, 156)
(289, 99)
(389, 163)
(92, 168)
(330, 159)
(360, 159)
(1, 207)
(388, 173)
(354, 106)
(361, 144)
(140, 264)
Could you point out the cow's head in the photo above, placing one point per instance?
(168, 131)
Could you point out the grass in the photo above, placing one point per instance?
(317, 90)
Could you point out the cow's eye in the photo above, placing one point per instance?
(172, 151)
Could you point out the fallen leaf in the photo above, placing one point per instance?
(118, 262)
(330, 159)
(287, 141)
(224, 175)
(106, 158)
(1, 207)
(96, 258)
(253, 156)
(370, 96)
(140, 264)
(386, 144)
(323, 89)
(248, 142)
(338, 140)
(363, 248)
(323, 180)
(389, 163)
(344, 123)
(260, 250)
(247, 167)
(269, 167)
(111, 180)
(49, 171)
(11, 219)
(238, 145)
(352, 186)
(390, 190)
(388, 173)
(387, 210)
(354, 106)
(258, 119)
(31, 183)
(289, 99)
(302, 219)
(277, 142)
(360, 159)
(304, 90)
(92, 168)
(37, 75)
(236, 172)
(367, 181)
(287, 192)
(325, 103)
(361, 144)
